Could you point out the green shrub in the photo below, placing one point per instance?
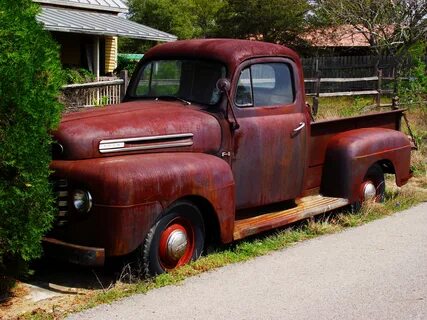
(78, 75)
(126, 64)
(30, 79)
(414, 90)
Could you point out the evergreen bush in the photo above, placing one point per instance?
(30, 79)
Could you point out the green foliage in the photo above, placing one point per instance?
(31, 77)
(277, 21)
(102, 101)
(414, 90)
(183, 18)
(128, 45)
(274, 21)
(73, 75)
(390, 27)
(126, 64)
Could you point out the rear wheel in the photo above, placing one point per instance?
(176, 239)
(372, 188)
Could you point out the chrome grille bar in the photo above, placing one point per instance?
(61, 191)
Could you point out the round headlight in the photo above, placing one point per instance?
(82, 200)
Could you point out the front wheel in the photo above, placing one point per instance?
(372, 187)
(177, 238)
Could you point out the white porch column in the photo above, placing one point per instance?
(96, 57)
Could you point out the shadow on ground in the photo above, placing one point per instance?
(65, 277)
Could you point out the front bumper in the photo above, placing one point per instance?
(81, 255)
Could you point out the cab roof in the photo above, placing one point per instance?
(231, 52)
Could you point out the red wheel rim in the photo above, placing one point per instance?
(173, 250)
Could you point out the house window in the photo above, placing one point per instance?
(265, 84)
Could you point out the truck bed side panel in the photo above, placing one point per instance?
(323, 131)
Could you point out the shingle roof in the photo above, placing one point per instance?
(338, 36)
(104, 5)
(79, 21)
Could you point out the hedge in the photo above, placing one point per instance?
(30, 80)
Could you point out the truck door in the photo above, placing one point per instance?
(269, 148)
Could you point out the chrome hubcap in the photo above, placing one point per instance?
(369, 191)
(177, 244)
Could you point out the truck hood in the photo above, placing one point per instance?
(136, 127)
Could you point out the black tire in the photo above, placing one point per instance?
(375, 175)
(182, 218)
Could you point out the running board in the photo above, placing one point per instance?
(306, 207)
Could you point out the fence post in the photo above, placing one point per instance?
(395, 99)
(125, 77)
(317, 94)
(380, 76)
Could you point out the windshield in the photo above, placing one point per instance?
(190, 80)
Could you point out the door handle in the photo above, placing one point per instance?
(300, 126)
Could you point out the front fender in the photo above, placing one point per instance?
(119, 184)
(350, 154)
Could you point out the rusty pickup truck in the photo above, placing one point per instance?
(213, 142)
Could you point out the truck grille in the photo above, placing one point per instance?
(61, 191)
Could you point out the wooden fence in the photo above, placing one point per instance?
(352, 67)
(376, 87)
(348, 66)
(107, 91)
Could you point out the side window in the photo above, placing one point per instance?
(269, 84)
(244, 89)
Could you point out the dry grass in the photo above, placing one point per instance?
(417, 117)
(338, 107)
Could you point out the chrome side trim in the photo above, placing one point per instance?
(149, 138)
(150, 142)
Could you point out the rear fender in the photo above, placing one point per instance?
(350, 154)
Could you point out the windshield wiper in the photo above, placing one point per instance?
(173, 97)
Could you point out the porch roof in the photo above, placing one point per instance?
(102, 5)
(87, 22)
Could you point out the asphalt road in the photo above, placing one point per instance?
(376, 271)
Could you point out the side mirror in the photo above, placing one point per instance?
(223, 85)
